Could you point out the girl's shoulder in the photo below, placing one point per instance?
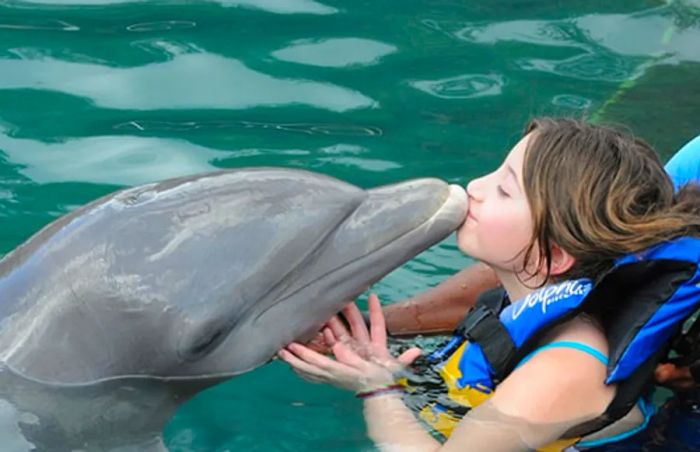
(566, 374)
(584, 329)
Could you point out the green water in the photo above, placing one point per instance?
(97, 94)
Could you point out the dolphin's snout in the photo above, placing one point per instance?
(457, 203)
(422, 200)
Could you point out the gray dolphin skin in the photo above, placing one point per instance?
(114, 315)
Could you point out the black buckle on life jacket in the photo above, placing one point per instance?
(483, 326)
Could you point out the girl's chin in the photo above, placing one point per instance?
(465, 243)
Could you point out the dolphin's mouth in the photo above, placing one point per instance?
(209, 379)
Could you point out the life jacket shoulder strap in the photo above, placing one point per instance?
(483, 326)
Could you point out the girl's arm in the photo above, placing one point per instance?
(392, 426)
(555, 390)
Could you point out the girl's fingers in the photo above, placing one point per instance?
(306, 370)
(319, 343)
(376, 320)
(410, 355)
(309, 377)
(346, 355)
(338, 328)
(316, 359)
(356, 322)
(329, 338)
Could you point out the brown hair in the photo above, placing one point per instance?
(599, 193)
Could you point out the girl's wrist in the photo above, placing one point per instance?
(393, 388)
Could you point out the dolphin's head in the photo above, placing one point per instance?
(206, 277)
(314, 258)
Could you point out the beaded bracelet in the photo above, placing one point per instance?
(381, 391)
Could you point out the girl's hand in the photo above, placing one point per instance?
(362, 361)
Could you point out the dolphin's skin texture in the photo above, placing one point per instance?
(112, 316)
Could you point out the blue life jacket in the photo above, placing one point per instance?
(642, 302)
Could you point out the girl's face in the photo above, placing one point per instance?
(499, 225)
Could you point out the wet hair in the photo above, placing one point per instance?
(599, 193)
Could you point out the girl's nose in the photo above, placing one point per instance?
(475, 189)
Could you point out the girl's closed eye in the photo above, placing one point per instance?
(502, 192)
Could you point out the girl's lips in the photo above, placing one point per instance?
(470, 216)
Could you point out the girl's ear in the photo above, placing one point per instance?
(562, 261)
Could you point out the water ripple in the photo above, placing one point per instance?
(463, 87)
(365, 164)
(650, 32)
(305, 128)
(540, 32)
(186, 81)
(272, 6)
(114, 160)
(336, 52)
(38, 25)
(344, 148)
(166, 49)
(643, 35)
(571, 101)
(162, 25)
(586, 67)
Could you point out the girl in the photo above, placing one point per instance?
(569, 199)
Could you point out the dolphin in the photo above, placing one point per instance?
(115, 314)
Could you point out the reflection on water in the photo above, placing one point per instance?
(115, 160)
(308, 129)
(374, 165)
(337, 52)
(165, 49)
(649, 33)
(130, 160)
(273, 6)
(571, 101)
(609, 47)
(12, 437)
(163, 25)
(587, 67)
(185, 82)
(464, 86)
(38, 25)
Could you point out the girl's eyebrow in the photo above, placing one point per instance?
(515, 176)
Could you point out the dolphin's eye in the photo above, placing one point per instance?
(206, 343)
(136, 196)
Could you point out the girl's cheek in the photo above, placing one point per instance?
(512, 227)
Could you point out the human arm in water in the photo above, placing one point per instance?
(435, 311)
(441, 308)
(538, 402)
